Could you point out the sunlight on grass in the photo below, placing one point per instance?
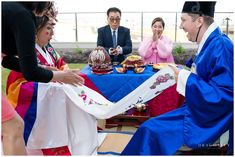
(5, 73)
(76, 66)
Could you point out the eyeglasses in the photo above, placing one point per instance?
(115, 19)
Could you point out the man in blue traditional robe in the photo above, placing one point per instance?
(208, 89)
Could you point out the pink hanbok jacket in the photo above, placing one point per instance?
(157, 53)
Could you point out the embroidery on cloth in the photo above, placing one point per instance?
(161, 79)
(89, 101)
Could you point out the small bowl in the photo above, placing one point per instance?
(121, 70)
(160, 65)
(139, 70)
(140, 107)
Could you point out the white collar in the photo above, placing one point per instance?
(116, 30)
(210, 29)
(45, 54)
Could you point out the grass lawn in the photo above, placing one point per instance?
(5, 73)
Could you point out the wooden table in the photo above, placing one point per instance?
(131, 117)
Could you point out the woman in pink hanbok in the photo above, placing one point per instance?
(158, 48)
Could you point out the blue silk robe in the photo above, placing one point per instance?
(208, 109)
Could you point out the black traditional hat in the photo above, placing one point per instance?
(202, 8)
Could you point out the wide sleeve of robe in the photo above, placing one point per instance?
(209, 93)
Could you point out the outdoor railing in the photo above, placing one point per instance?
(82, 26)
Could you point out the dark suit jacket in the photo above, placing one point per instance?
(123, 39)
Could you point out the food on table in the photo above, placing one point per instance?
(133, 61)
(139, 70)
(158, 66)
(102, 69)
(121, 69)
(99, 61)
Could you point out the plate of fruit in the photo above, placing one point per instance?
(121, 70)
(139, 70)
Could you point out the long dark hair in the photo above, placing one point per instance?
(50, 14)
(38, 6)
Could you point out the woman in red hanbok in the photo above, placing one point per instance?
(21, 93)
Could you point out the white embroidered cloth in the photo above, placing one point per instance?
(66, 115)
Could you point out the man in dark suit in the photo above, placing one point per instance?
(114, 38)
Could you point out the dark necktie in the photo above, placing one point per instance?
(114, 39)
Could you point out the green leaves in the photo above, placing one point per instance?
(178, 49)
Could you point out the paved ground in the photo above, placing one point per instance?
(184, 150)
